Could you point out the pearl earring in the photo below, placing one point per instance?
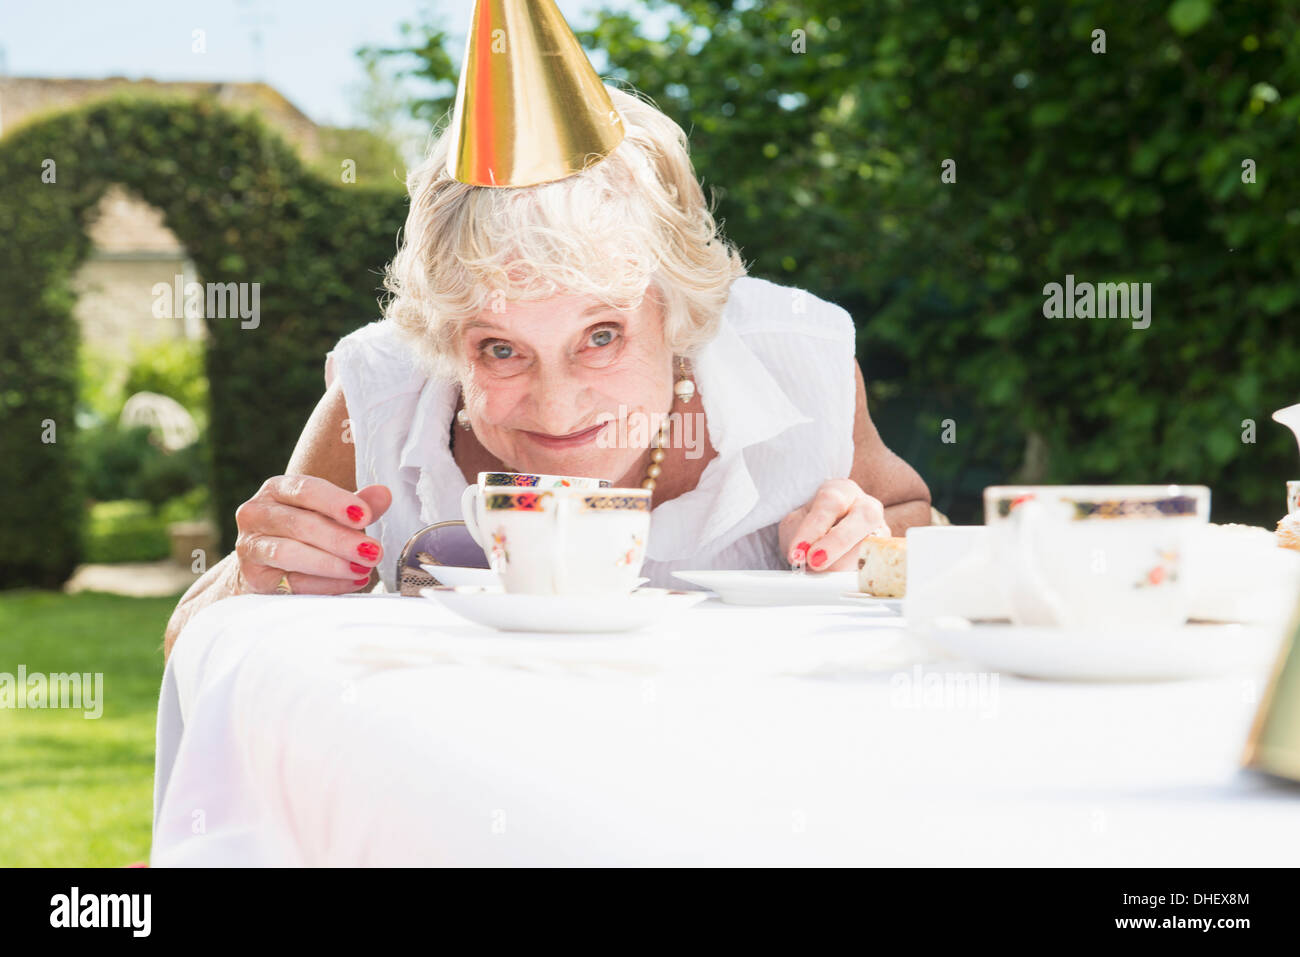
(684, 387)
(462, 419)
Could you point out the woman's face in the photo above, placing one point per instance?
(540, 378)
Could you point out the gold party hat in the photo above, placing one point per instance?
(529, 106)
(1274, 742)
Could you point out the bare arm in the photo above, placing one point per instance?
(883, 474)
(320, 452)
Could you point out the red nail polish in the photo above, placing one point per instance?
(355, 513)
(368, 550)
(359, 568)
(818, 556)
(362, 581)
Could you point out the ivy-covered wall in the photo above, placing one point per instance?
(249, 212)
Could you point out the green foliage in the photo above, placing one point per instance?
(130, 530)
(126, 531)
(125, 463)
(422, 55)
(40, 535)
(172, 368)
(247, 211)
(111, 459)
(100, 386)
(188, 506)
(375, 160)
(1116, 166)
(168, 474)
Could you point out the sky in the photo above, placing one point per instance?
(304, 48)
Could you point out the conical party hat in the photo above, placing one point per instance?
(529, 106)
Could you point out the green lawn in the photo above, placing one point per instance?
(76, 791)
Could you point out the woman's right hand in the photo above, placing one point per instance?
(311, 530)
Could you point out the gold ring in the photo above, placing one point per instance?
(282, 587)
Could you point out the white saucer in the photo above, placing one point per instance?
(581, 614)
(1196, 650)
(894, 605)
(456, 575)
(771, 587)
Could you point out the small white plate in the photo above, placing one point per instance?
(1117, 654)
(772, 587)
(894, 605)
(581, 614)
(456, 576)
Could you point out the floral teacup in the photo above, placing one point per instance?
(1091, 556)
(471, 500)
(560, 541)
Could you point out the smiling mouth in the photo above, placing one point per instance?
(571, 440)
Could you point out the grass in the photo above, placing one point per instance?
(78, 792)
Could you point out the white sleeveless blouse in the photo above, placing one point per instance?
(778, 388)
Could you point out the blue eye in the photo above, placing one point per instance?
(501, 351)
(602, 337)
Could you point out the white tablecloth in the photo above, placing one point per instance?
(378, 730)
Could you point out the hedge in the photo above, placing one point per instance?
(248, 211)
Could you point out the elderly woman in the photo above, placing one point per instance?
(538, 330)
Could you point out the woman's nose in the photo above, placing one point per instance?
(558, 403)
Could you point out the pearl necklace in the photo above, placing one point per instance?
(683, 389)
(657, 456)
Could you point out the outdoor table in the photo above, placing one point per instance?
(383, 730)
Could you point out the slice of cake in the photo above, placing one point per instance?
(1288, 532)
(882, 567)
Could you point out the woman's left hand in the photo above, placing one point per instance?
(827, 531)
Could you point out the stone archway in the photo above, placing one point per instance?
(132, 252)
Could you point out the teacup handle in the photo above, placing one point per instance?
(468, 511)
(1028, 516)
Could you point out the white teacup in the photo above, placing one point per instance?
(1089, 556)
(471, 500)
(563, 541)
